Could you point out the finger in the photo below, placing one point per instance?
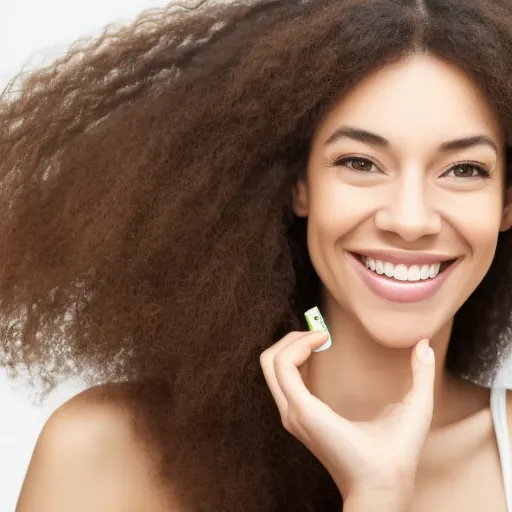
(420, 399)
(267, 365)
(271, 351)
(288, 361)
(305, 416)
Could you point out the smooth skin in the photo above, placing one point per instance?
(395, 434)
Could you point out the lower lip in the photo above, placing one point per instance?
(400, 291)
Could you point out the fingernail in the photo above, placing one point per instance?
(425, 353)
(324, 346)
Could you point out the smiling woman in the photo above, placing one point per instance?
(427, 193)
(174, 201)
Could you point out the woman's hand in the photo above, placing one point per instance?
(363, 458)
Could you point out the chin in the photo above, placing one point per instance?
(401, 330)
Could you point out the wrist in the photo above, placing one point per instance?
(377, 501)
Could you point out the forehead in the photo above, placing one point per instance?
(416, 100)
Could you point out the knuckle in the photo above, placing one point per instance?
(290, 423)
(286, 423)
(276, 353)
(280, 361)
(297, 417)
(264, 356)
(300, 416)
(269, 352)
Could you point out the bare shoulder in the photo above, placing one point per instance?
(87, 458)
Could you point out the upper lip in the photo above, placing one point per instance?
(407, 258)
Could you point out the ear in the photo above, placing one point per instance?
(506, 219)
(300, 198)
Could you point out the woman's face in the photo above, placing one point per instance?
(404, 198)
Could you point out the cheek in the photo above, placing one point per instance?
(483, 239)
(336, 208)
(478, 224)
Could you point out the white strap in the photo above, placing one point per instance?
(499, 416)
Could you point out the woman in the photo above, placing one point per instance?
(174, 200)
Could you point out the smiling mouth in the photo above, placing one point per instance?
(405, 273)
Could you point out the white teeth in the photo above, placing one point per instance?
(434, 270)
(413, 274)
(402, 272)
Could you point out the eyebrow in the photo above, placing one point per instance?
(377, 140)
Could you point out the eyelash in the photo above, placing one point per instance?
(483, 171)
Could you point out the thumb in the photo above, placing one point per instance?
(420, 399)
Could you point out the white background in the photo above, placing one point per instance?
(32, 29)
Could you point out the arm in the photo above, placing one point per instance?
(86, 460)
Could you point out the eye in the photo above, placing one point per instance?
(467, 170)
(357, 164)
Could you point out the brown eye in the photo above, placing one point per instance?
(360, 164)
(468, 170)
(355, 164)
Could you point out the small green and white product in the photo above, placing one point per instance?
(316, 323)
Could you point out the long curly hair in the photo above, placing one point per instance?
(146, 233)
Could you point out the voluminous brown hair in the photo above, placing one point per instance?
(146, 234)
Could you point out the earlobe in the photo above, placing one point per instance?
(300, 200)
(506, 219)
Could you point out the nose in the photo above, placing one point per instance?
(407, 211)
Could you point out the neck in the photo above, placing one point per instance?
(358, 376)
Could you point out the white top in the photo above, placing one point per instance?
(499, 418)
